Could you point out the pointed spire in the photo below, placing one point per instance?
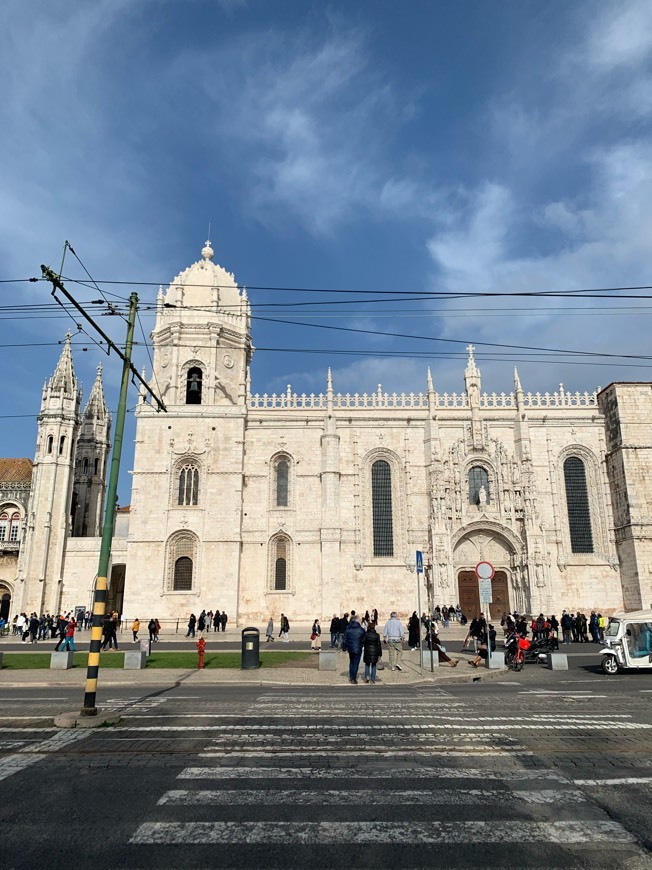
(431, 388)
(471, 368)
(96, 406)
(329, 381)
(64, 375)
(517, 381)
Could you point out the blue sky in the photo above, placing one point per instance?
(421, 146)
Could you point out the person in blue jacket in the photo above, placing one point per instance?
(352, 643)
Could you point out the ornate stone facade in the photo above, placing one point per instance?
(311, 504)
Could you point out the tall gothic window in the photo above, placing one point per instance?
(4, 526)
(478, 478)
(188, 485)
(282, 482)
(14, 528)
(281, 565)
(181, 561)
(194, 386)
(577, 502)
(50, 443)
(381, 501)
(62, 444)
(182, 574)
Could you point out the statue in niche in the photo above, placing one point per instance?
(482, 498)
(538, 576)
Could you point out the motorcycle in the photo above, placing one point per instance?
(519, 650)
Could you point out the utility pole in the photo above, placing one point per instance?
(99, 599)
(99, 602)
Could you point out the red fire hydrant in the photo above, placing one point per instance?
(201, 649)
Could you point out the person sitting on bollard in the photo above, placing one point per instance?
(482, 647)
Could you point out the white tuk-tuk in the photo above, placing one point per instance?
(628, 642)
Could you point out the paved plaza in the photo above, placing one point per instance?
(537, 769)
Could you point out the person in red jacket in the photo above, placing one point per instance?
(70, 635)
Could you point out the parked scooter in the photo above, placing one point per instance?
(519, 650)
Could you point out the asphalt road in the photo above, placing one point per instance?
(537, 769)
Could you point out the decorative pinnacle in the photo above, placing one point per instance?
(517, 381)
(329, 380)
(207, 251)
(431, 388)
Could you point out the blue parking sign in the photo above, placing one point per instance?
(419, 562)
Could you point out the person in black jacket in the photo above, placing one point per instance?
(341, 628)
(372, 651)
(352, 643)
(335, 630)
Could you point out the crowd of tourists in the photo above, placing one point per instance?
(206, 621)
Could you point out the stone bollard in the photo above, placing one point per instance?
(557, 661)
(327, 660)
(135, 661)
(2, 655)
(497, 661)
(61, 661)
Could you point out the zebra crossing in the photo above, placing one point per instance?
(385, 790)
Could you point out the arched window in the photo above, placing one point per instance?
(194, 386)
(96, 466)
(85, 466)
(478, 478)
(282, 482)
(14, 528)
(577, 502)
(4, 526)
(62, 444)
(281, 565)
(181, 562)
(381, 501)
(188, 485)
(182, 574)
(50, 443)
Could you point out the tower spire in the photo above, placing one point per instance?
(96, 406)
(64, 375)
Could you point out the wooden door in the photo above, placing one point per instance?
(469, 594)
(500, 595)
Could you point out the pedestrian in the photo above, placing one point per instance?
(33, 628)
(224, 619)
(352, 643)
(135, 627)
(217, 619)
(393, 635)
(192, 622)
(335, 634)
(372, 652)
(110, 629)
(201, 622)
(315, 636)
(440, 649)
(151, 628)
(269, 631)
(414, 632)
(341, 628)
(285, 629)
(487, 638)
(61, 623)
(69, 640)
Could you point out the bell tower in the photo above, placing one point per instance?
(202, 338)
(48, 514)
(90, 464)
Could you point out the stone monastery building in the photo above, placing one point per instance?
(313, 504)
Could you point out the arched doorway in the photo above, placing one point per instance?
(116, 593)
(5, 603)
(475, 546)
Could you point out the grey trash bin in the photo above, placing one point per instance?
(250, 649)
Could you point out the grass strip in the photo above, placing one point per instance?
(180, 660)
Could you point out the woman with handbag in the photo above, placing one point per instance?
(315, 637)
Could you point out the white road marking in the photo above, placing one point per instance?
(379, 751)
(23, 718)
(504, 773)
(39, 751)
(625, 780)
(310, 833)
(587, 725)
(236, 797)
